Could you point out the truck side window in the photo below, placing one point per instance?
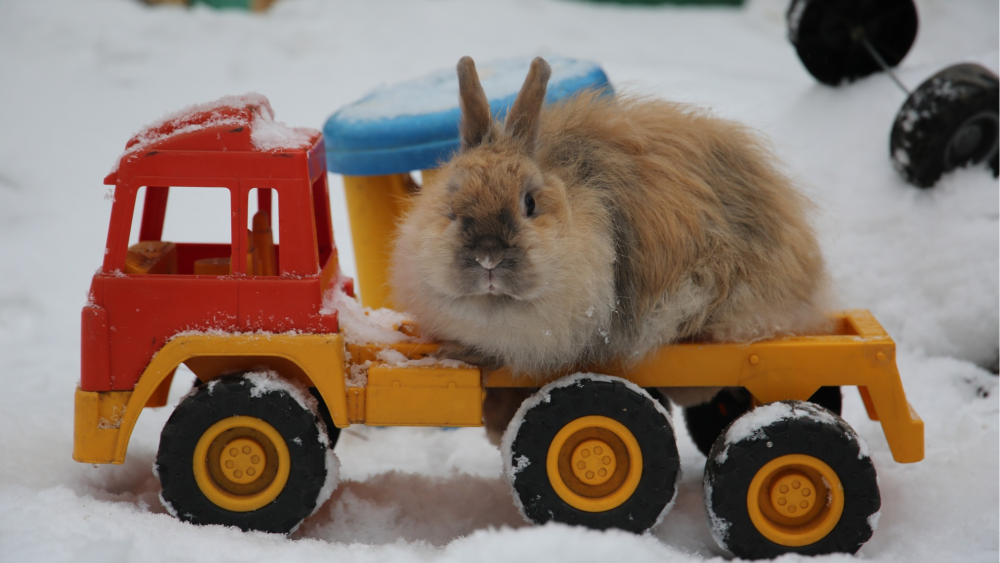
(262, 224)
(193, 237)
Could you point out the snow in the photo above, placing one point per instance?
(267, 381)
(362, 325)
(266, 134)
(873, 520)
(718, 526)
(751, 426)
(393, 358)
(358, 373)
(79, 78)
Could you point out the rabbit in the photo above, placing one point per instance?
(599, 228)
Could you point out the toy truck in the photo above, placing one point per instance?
(252, 444)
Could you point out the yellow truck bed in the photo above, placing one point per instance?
(855, 352)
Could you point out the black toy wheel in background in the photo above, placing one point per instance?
(223, 400)
(706, 422)
(828, 35)
(608, 397)
(948, 122)
(804, 431)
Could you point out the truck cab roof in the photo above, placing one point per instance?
(240, 124)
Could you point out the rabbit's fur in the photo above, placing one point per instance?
(652, 223)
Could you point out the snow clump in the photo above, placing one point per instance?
(751, 425)
(364, 325)
(719, 527)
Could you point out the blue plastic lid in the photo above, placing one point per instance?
(414, 125)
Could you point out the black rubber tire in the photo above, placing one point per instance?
(706, 422)
(613, 399)
(658, 395)
(827, 35)
(227, 397)
(332, 432)
(949, 121)
(809, 432)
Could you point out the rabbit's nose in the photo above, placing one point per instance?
(488, 262)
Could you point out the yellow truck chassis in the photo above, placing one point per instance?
(857, 353)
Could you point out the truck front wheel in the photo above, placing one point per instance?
(594, 451)
(245, 451)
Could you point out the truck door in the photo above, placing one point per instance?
(169, 283)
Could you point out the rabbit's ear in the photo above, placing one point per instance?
(476, 116)
(522, 120)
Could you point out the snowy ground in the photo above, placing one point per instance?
(78, 78)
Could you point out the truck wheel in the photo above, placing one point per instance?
(245, 451)
(705, 422)
(790, 477)
(594, 451)
(950, 121)
(828, 35)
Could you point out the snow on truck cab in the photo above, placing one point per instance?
(285, 357)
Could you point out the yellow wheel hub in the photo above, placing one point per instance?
(795, 500)
(594, 463)
(241, 463)
(793, 495)
(243, 460)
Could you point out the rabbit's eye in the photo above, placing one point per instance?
(529, 205)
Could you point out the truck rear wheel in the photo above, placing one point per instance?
(246, 452)
(594, 451)
(706, 422)
(790, 477)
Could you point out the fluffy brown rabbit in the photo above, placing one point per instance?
(599, 228)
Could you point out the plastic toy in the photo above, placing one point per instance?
(252, 445)
(949, 121)
(250, 5)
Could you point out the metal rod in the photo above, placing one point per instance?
(881, 62)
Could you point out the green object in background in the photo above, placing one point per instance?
(661, 2)
(252, 5)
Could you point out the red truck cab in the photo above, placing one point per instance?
(146, 293)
